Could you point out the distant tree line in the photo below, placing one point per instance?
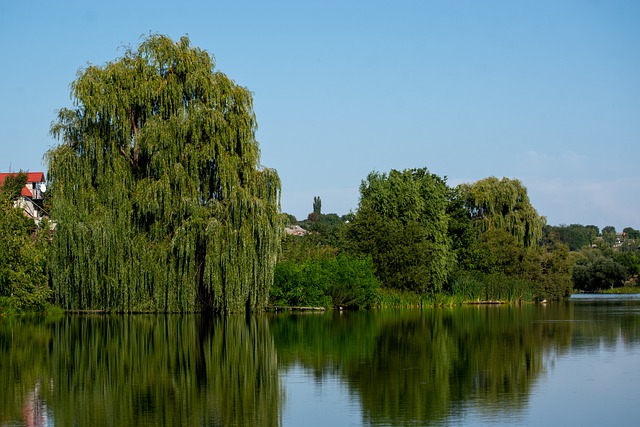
(603, 260)
(474, 242)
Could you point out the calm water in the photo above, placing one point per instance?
(575, 363)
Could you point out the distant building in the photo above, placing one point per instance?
(295, 230)
(32, 194)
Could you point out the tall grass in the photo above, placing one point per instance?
(493, 288)
(395, 298)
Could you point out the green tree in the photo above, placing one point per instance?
(402, 223)
(509, 236)
(326, 229)
(498, 251)
(609, 235)
(597, 269)
(342, 280)
(594, 232)
(317, 205)
(630, 260)
(575, 236)
(463, 235)
(158, 192)
(23, 282)
(549, 268)
(503, 204)
(631, 233)
(171, 371)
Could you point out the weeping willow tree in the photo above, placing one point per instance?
(495, 204)
(158, 195)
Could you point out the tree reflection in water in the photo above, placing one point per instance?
(403, 367)
(139, 370)
(420, 367)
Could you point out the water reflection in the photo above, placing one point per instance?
(419, 367)
(428, 367)
(139, 370)
(435, 367)
(34, 409)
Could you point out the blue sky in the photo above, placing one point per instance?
(547, 92)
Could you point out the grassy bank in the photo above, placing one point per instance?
(622, 290)
(465, 289)
(9, 306)
(393, 298)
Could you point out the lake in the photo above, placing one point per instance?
(568, 363)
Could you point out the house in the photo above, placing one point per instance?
(32, 194)
(295, 230)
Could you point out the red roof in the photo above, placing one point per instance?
(31, 177)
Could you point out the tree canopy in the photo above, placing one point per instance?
(159, 198)
(402, 223)
(503, 204)
(631, 233)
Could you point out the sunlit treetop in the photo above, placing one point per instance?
(503, 204)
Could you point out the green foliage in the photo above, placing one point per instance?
(402, 224)
(342, 280)
(593, 230)
(411, 367)
(629, 259)
(503, 204)
(549, 268)
(317, 205)
(575, 236)
(301, 248)
(609, 235)
(312, 273)
(470, 286)
(546, 270)
(140, 371)
(399, 298)
(13, 184)
(499, 287)
(352, 282)
(159, 197)
(299, 285)
(596, 269)
(497, 251)
(631, 233)
(326, 229)
(464, 237)
(23, 282)
(632, 289)
(505, 261)
(289, 219)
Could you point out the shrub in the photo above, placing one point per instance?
(351, 281)
(342, 280)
